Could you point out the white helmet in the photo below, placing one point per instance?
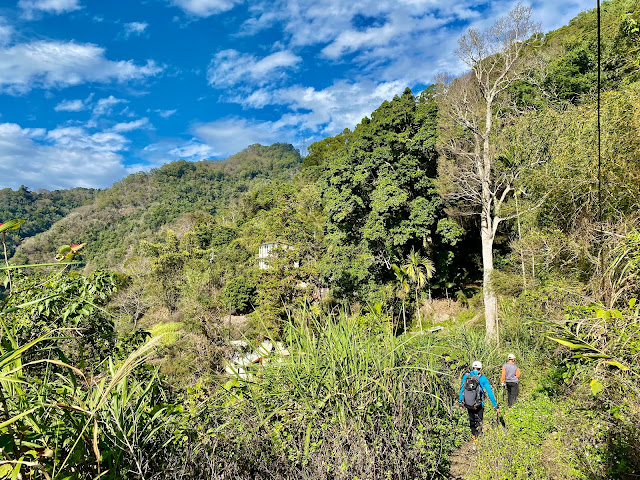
(511, 356)
(476, 365)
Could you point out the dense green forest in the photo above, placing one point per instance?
(143, 338)
(43, 208)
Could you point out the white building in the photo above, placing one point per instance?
(266, 251)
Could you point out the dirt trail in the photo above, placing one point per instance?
(463, 462)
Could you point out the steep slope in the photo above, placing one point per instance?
(570, 57)
(136, 207)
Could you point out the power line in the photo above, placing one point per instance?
(599, 135)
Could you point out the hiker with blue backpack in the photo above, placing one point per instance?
(474, 384)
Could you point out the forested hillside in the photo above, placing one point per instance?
(42, 208)
(136, 207)
(472, 220)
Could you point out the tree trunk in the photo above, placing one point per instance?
(488, 292)
(524, 271)
(487, 231)
(404, 318)
(418, 310)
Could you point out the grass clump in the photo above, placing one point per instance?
(351, 400)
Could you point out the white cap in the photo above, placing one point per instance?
(476, 365)
(511, 356)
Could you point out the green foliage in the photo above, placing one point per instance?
(354, 399)
(210, 234)
(379, 193)
(65, 425)
(167, 268)
(239, 295)
(598, 349)
(570, 73)
(67, 301)
(461, 346)
(326, 148)
(525, 448)
(58, 420)
(573, 74)
(603, 346)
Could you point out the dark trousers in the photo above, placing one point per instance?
(512, 391)
(475, 419)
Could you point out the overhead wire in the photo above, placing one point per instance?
(599, 125)
(600, 217)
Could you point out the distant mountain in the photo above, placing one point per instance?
(138, 206)
(42, 209)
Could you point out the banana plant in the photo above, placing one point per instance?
(605, 344)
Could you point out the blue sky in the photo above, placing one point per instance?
(91, 91)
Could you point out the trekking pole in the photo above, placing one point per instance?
(499, 421)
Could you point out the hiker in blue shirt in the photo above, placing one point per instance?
(474, 384)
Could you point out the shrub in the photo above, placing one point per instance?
(239, 295)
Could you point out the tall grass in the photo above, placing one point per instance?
(58, 424)
(351, 401)
(339, 365)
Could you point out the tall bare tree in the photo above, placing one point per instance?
(472, 111)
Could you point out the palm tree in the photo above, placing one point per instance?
(419, 271)
(403, 289)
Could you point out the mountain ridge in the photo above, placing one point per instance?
(138, 206)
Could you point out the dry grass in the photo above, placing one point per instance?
(440, 311)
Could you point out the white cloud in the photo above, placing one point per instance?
(60, 158)
(351, 40)
(230, 67)
(104, 106)
(231, 135)
(54, 64)
(389, 40)
(253, 25)
(70, 106)
(384, 45)
(312, 114)
(330, 110)
(556, 14)
(169, 149)
(6, 32)
(29, 7)
(309, 22)
(381, 46)
(134, 28)
(204, 8)
(77, 138)
(193, 150)
(133, 125)
(165, 113)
